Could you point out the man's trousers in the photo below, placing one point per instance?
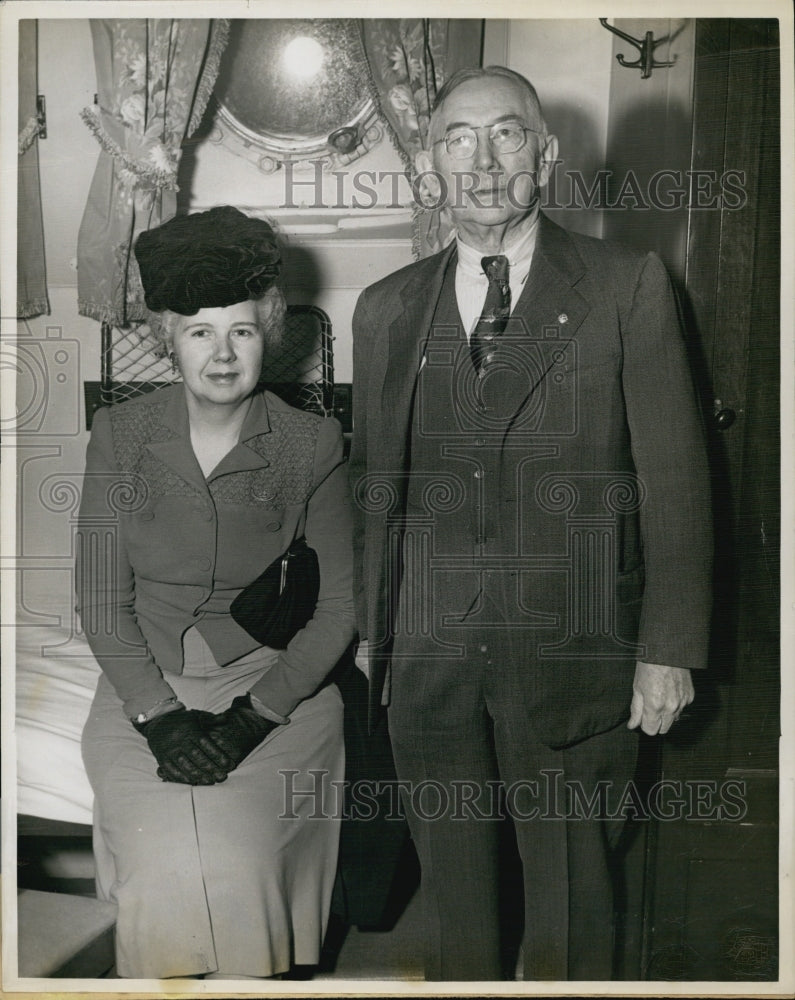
(462, 732)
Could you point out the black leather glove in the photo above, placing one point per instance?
(179, 743)
(238, 730)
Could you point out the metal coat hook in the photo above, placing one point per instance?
(646, 48)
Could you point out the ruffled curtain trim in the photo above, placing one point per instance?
(394, 138)
(219, 38)
(28, 134)
(27, 310)
(162, 180)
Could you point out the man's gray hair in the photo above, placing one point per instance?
(479, 73)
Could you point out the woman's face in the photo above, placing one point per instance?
(219, 353)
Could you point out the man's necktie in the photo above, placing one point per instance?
(496, 309)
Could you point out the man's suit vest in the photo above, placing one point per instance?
(453, 498)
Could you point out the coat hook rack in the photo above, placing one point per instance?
(645, 62)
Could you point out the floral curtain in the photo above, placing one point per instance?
(154, 78)
(31, 277)
(409, 60)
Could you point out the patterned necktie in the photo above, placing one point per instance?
(496, 309)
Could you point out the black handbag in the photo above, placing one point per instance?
(282, 599)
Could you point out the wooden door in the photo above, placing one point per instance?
(711, 901)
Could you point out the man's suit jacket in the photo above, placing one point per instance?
(614, 438)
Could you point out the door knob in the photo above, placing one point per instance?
(725, 418)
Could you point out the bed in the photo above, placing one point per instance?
(56, 678)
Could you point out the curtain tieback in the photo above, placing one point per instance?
(156, 169)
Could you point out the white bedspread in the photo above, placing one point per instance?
(56, 677)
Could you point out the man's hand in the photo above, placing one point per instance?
(658, 696)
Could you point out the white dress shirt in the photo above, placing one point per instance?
(471, 283)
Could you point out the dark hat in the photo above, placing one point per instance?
(206, 260)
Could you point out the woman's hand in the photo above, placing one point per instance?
(179, 743)
(238, 730)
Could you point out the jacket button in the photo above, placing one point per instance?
(264, 494)
(203, 563)
(147, 515)
(273, 526)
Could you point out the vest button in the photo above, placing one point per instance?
(273, 526)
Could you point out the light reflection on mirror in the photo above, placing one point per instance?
(303, 57)
(286, 85)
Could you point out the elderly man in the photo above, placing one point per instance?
(534, 545)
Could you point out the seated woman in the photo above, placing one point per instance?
(210, 755)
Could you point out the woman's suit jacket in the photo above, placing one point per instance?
(161, 549)
(613, 400)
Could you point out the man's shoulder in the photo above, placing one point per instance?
(609, 265)
(594, 250)
(418, 271)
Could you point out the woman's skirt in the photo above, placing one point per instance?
(235, 877)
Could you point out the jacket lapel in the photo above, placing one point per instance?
(548, 313)
(175, 451)
(408, 334)
(246, 455)
(549, 298)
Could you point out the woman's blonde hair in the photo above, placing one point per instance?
(270, 310)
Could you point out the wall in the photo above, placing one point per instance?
(570, 64)
(608, 118)
(56, 353)
(650, 131)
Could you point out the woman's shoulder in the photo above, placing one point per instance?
(285, 415)
(297, 423)
(276, 405)
(135, 422)
(145, 405)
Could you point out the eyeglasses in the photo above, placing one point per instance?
(505, 137)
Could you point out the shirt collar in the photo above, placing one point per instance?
(176, 415)
(518, 251)
(257, 420)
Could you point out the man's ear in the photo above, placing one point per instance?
(429, 187)
(547, 160)
(423, 162)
